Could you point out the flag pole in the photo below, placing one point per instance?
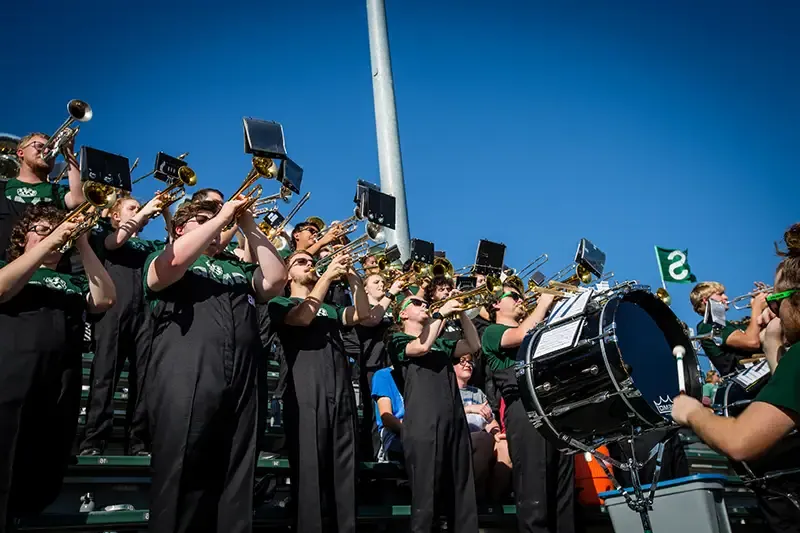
(660, 272)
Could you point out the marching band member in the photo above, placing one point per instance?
(436, 441)
(120, 333)
(438, 289)
(31, 187)
(215, 195)
(738, 342)
(304, 237)
(319, 403)
(200, 390)
(41, 324)
(543, 479)
(776, 409)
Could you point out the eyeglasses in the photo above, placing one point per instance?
(201, 219)
(302, 261)
(774, 300)
(513, 295)
(415, 302)
(41, 230)
(37, 145)
(465, 361)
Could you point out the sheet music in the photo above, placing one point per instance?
(752, 374)
(571, 306)
(558, 338)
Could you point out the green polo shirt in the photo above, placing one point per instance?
(497, 357)
(398, 342)
(723, 357)
(76, 284)
(783, 388)
(39, 193)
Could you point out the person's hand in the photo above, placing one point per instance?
(772, 336)
(758, 303)
(338, 267)
(764, 318)
(229, 209)
(682, 408)
(62, 233)
(484, 410)
(545, 300)
(333, 234)
(397, 287)
(499, 436)
(450, 308)
(153, 207)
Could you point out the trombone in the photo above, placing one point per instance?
(98, 197)
(356, 249)
(581, 275)
(478, 297)
(760, 287)
(140, 178)
(275, 235)
(78, 111)
(530, 268)
(176, 189)
(263, 167)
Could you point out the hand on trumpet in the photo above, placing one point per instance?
(62, 233)
(229, 210)
(758, 304)
(340, 266)
(153, 208)
(451, 308)
(333, 235)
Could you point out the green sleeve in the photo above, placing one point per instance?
(286, 252)
(448, 346)
(247, 268)
(148, 294)
(278, 308)
(783, 388)
(492, 338)
(703, 328)
(396, 347)
(81, 282)
(709, 347)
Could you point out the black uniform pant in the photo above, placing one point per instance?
(39, 408)
(119, 336)
(203, 421)
(322, 456)
(439, 465)
(542, 477)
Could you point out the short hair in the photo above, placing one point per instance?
(495, 299)
(710, 375)
(117, 207)
(189, 210)
(36, 213)
(435, 283)
(789, 267)
(292, 255)
(22, 142)
(202, 194)
(703, 291)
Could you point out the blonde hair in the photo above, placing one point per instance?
(703, 291)
(25, 140)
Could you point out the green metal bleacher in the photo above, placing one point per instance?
(384, 498)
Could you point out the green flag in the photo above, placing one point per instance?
(674, 265)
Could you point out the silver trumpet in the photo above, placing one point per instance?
(357, 249)
(760, 287)
(79, 111)
(348, 225)
(268, 203)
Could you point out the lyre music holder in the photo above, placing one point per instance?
(375, 206)
(489, 258)
(422, 251)
(105, 168)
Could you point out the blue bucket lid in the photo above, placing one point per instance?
(669, 483)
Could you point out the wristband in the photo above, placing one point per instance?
(437, 316)
(388, 294)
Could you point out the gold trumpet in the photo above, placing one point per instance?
(581, 275)
(442, 268)
(98, 197)
(176, 189)
(78, 111)
(263, 167)
(478, 297)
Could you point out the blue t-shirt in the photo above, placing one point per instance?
(383, 386)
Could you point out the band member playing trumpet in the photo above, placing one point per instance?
(436, 441)
(319, 403)
(304, 237)
(543, 479)
(200, 390)
(120, 334)
(41, 324)
(776, 410)
(31, 187)
(738, 342)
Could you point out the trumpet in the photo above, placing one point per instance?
(528, 269)
(357, 249)
(418, 272)
(176, 189)
(760, 287)
(140, 178)
(78, 111)
(348, 225)
(263, 167)
(264, 205)
(581, 275)
(98, 197)
(275, 235)
(478, 297)
(442, 268)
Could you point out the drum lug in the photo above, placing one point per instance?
(593, 370)
(544, 387)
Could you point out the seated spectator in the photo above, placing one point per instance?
(390, 409)
(490, 457)
(710, 387)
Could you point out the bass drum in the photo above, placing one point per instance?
(617, 377)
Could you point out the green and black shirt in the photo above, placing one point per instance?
(38, 193)
(724, 357)
(497, 357)
(783, 388)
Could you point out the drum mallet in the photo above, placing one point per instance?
(679, 351)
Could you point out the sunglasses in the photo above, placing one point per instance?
(513, 295)
(302, 261)
(774, 300)
(415, 303)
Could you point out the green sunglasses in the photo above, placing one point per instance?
(774, 300)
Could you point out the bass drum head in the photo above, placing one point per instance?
(647, 330)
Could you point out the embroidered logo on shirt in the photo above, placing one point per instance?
(55, 283)
(322, 312)
(26, 192)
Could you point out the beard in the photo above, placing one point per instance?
(307, 279)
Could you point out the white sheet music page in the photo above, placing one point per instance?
(571, 307)
(752, 374)
(558, 338)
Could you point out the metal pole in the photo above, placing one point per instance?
(389, 159)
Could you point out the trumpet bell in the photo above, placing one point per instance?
(664, 296)
(265, 167)
(99, 195)
(442, 268)
(79, 110)
(187, 176)
(376, 232)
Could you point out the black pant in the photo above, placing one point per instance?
(119, 336)
(543, 479)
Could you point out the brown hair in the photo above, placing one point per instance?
(789, 268)
(490, 309)
(37, 213)
(25, 140)
(703, 291)
(435, 283)
(189, 210)
(202, 194)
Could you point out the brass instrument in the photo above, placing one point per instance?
(176, 189)
(98, 197)
(78, 111)
(263, 167)
(528, 269)
(9, 164)
(262, 206)
(760, 287)
(416, 274)
(442, 268)
(140, 178)
(275, 235)
(357, 249)
(664, 296)
(478, 297)
(348, 225)
(581, 275)
(316, 222)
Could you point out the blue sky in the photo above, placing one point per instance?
(530, 123)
